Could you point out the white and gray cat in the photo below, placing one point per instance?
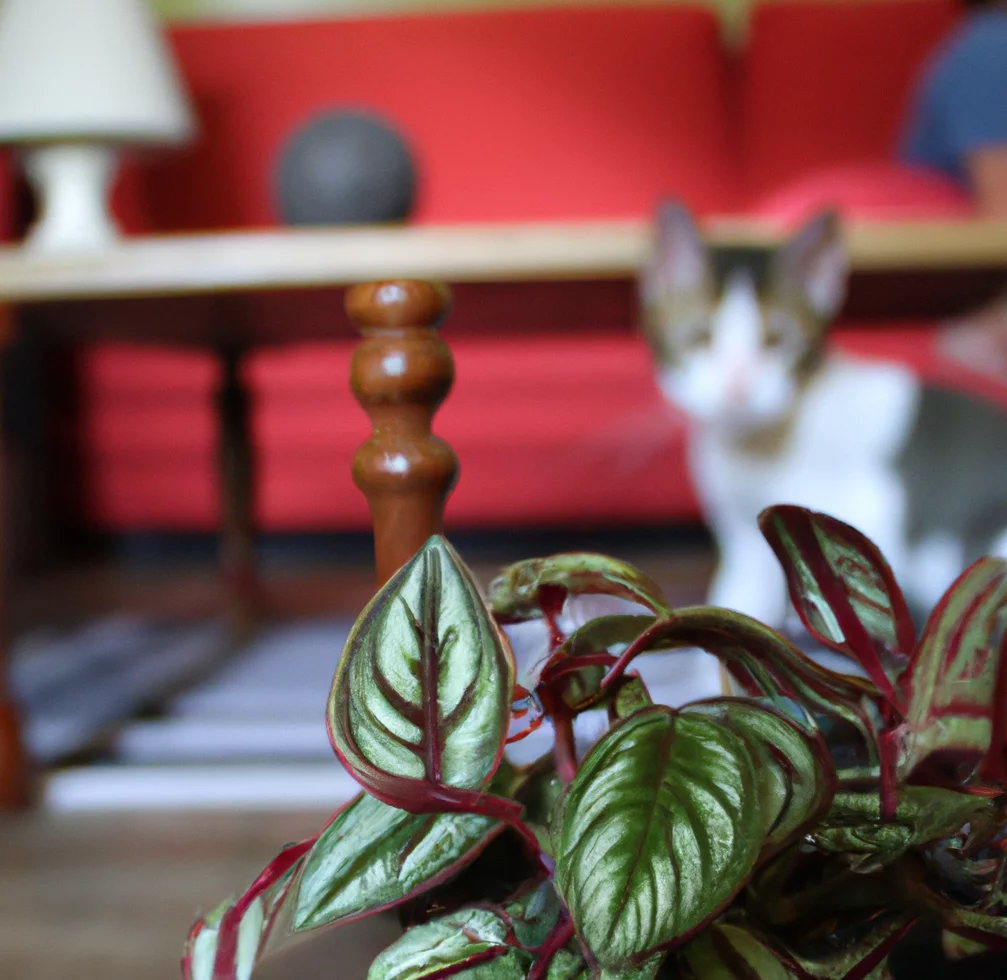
(738, 337)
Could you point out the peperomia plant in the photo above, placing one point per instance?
(796, 830)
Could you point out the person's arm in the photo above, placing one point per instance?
(987, 168)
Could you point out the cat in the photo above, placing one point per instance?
(738, 337)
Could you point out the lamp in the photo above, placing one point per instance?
(78, 79)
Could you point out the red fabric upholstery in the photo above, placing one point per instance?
(532, 114)
(825, 84)
(547, 433)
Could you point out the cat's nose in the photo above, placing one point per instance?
(737, 387)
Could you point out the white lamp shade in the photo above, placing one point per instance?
(87, 69)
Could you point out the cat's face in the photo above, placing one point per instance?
(733, 330)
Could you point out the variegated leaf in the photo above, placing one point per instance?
(795, 774)
(854, 827)
(858, 951)
(538, 789)
(567, 965)
(953, 678)
(766, 665)
(631, 697)
(657, 833)
(423, 691)
(516, 592)
(470, 941)
(844, 591)
(647, 970)
(608, 634)
(728, 952)
(534, 914)
(227, 943)
(372, 856)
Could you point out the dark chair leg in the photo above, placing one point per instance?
(236, 472)
(15, 781)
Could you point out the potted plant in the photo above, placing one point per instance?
(796, 831)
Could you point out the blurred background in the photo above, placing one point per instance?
(183, 545)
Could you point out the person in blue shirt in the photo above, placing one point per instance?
(958, 118)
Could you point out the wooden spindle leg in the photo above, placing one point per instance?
(400, 374)
(236, 476)
(15, 783)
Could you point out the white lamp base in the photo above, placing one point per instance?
(71, 183)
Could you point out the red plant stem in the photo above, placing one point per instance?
(273, 872)
(564, 749)
(506, 811)
(630, 653)
(560, 935)
(571, 665)
(550, 602)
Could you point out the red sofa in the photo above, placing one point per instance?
(546, 114)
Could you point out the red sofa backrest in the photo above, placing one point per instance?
(826, 83)
(517, 115)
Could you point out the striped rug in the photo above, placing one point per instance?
(168, 725)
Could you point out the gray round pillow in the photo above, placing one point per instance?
(345, 168)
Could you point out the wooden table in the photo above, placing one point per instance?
(303, 258)
(186, 265)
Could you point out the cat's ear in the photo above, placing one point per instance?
(814, 266)
(678, 262)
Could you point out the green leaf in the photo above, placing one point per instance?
(953, 677)
(728, 952)
(657, 832)
(795, 773)
(579, 684)
(858, 950)
(226, 943)
(566, 965)
(473, 941)
(603, 634)
(957, 947)
(923, 814)
(208, 957)
(372, 856)
(423, 690)
(766, 665)
(539, 789)
(647, 970)
(955, 916)
(515, 592)
(534, 914)
(631, 696)
(843, 590)
(201, 946)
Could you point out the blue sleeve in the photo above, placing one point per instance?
(962, 104)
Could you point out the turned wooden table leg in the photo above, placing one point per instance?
(400, 374)
(14, 765)
(236, 475)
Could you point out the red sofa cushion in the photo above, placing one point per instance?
(828, 83)
(868, 191)
(515, 115)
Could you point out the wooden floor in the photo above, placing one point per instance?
(111, 897)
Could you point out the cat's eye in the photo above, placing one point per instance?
(695, 333)
(780, 331)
